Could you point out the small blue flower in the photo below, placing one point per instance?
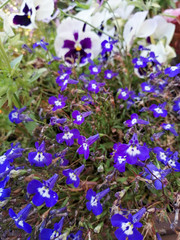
(94, 201)
(127, 226)
(94, 69)
(4, 192)
(42, 44)
(63, 80)
(73, 175)
(43, 191)
(140, 62)
(52, 234)
(108, 74)
(16, 116)
(170, 127)
(55, 120)
(61, 158)
(124, 93)
(77, 236)
(173, 70)
(158, 110)
(146, 87)
(135, 120)
(80, 117)
(57, 102)
(68, 136)
(21, 217)
(176, 106)
(40, 158)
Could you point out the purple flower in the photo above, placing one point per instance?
(50, 234)
(80, 117)
(14, 152)
(77, 236)
(61, 158)
(135, 120)
(108, 74)
(120, 161)
(68, 136)
(85, 143)
(124, 93)
(43, 191)
(133, 151)
(94, 86)
(158, 110)
(4, 192)
(172, 161)
(176, 106)
(57, 102)
(55, 120)
(146, 87)
(21, 217)
(73, 175)
(94, 69)
(161, 155)
(170, 127)
(140, 62)
(87, 99)
(41, 44)
(107, 46)
(40, 158)
(152, 59)
(173, 70)
(127, 226)
(63, 80)
(15, 116)
(94, 201)
(156, 175)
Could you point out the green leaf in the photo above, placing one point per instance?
(3, 100)
(37, 74)
(30, 126)
(15, 63)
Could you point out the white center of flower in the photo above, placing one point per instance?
(93, 86)
(44, 192)
(156, 174)
(14, 115)
(134, 121)
(79, 118)
(127, 228)
(172, 163)
(121, 159)
(162, 156)
(85, 146)
(109, 75)
(95, 69)
(1, 191)
(67, 135)
(63, 76)
(174, 68)
(58, 103)
(21, 223)
(123, 94)
(158, 110)
(73, 176)
(39, 157)
(133, 151)
(168, 126)
(147, 88)
(2, 159)
(65, 82)
(93, 201)
(107, 45)
(55, 236)
(139, 63)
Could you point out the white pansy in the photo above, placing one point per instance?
(7, 30)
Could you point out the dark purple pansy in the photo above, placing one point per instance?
(73, 175)
(158, 110)
(67, 136)
(43, 191)
(40, 158)
(57, 102)
(94, 201)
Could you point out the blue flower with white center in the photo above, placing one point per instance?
(73, 175)
(135, 120)
(127, 226)
(94, 69)
(14, 152)
(85, 144)
(158, 110)
(133, 151)
(67, 136)
(61, 158)
(80, 117)
(42, 44)
(40, 158)
(173, 70)
(146, 87)
(120, 161)
(157, 175)
(94, 86)
(169, 127)
(107, 46)
(43, 191)
(55, 120)
(16, 116)
(124, 93)
(172, 161)
(52, 234)
(161, 155)
(140, 62)
(77, 236)
(21, 217)
(108, 74)
(57, 102)
(94, 201)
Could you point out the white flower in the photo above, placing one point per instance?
(8, 32)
